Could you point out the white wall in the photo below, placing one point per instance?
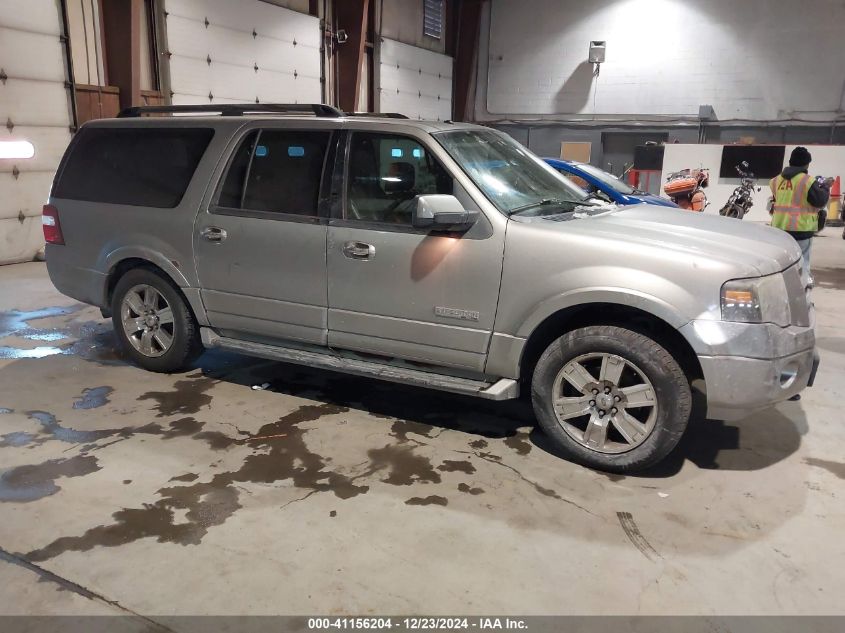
(828, 160)
(750, 59)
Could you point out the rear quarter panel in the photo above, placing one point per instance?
(98, 236)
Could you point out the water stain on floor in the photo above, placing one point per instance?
(430, 500)
(36, 481)
(187, 396)
(470, 490)
(519, 442)
(284, 457)
(403, 465)
(16, 322)
(93, 397)
(456, 466)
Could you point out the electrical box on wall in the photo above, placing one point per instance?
(597, 51)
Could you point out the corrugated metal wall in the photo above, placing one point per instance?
(34, 106)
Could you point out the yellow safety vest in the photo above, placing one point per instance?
(792, 211)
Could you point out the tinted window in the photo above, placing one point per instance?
(386, 172)
(147, 167)
(233, 185)
(277, 171)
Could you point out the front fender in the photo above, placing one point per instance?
(584, 296)
(506, 350)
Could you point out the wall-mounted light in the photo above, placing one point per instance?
(341, 36)
(16, 149)
(598, 48)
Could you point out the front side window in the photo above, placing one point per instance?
(276, 171)
(386, 172)
(511, 177)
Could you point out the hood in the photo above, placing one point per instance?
(749, 249)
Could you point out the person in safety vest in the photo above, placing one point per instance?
(797, 199)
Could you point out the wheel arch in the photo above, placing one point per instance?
(122, 266)
(633, 318)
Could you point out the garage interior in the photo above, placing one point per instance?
(251, 487)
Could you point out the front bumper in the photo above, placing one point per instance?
(737, 386)
(748, 367)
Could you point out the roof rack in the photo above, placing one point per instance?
(236, 109)
(378, 115)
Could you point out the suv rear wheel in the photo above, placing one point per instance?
(611, 398)
(153, 322)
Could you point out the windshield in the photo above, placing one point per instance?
(607, 179)
(513, 178)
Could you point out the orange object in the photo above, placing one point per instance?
(681, 186)
(834, 207)
(699, 201)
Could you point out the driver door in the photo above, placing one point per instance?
(401, 292)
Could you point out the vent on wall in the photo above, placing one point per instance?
(433, 18)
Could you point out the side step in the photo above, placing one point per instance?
(503, 389)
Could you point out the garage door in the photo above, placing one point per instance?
(34, 106)
(242, 52)
(414, 81)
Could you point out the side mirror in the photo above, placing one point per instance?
(440, 212)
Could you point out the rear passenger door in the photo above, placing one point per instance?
(260, 246)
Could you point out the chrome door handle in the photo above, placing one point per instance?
(214, 233)
(359, 250)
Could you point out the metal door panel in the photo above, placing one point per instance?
(267, 274)
(406, 299)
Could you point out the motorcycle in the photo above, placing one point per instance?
(685, 188)
(742, 198)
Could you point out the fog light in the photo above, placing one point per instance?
(788, 375)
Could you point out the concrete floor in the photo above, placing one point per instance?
(127, 491)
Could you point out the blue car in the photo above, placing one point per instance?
(598, 181)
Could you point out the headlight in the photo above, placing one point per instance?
(759, 300)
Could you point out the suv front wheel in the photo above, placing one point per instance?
(153, 322)
(611, 398)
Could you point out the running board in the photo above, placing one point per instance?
(503, 389)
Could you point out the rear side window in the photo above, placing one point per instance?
(145, 167)
(277, 171)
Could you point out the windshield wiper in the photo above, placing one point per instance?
(545, 202)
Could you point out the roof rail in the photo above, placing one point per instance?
(378, 115)
(235, 109)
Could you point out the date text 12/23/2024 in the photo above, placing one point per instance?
(417, 624)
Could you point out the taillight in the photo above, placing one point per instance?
(51, 226)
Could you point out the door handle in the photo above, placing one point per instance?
(214, 234)
(359, 250)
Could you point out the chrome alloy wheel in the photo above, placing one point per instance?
(605, 402)
(147, 320)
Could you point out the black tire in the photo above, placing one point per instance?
(732, 211)
(186, 345)
(670, 386)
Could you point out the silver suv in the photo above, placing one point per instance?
(436, 254)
